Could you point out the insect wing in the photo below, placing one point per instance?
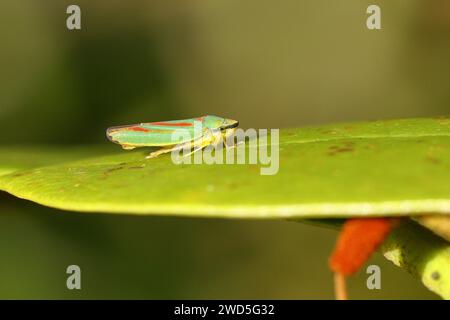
(154, 133)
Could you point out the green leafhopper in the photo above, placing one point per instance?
(160, 134)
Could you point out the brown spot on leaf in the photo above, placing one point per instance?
(114, 169)
(435, 275)
(108, 171)
(433, 160)
(340, 150)
(20, 174)
(137, 167)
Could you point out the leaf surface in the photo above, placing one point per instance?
(398, 167)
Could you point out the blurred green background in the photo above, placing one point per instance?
(268, 64)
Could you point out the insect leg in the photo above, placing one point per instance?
(207, 139)
(198, 144)
(163, 150)
(158, 152)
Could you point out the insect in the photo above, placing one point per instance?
(212, 130)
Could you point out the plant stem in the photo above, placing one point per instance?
(421, 253)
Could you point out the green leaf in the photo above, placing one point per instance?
(25, 157)
(384, 168)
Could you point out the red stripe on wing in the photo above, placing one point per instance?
(171, 124)
(138, 129)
